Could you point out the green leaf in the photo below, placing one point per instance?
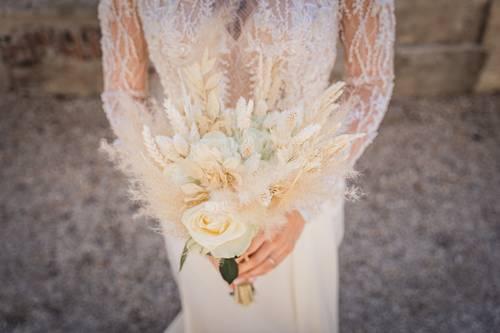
(184, 254)
(228, 269)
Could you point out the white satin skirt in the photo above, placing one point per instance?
(299, 296)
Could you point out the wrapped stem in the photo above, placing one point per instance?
(244, 293)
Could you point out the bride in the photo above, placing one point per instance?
(295, 272)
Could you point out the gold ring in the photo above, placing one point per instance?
(272, 260)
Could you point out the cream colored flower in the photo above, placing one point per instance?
(218, 158)
(217, 229)
(227, 146)
(255, 141)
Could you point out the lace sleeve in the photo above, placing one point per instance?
(125, 63)
(367, 32)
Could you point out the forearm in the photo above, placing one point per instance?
(125, 65)
(367, 34)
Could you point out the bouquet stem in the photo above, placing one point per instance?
(244, 293)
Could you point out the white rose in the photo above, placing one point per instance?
(177, 174)
(218, 159)
(226, 146)
(219, 231)
(255, 141)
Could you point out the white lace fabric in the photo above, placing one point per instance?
(300, 36)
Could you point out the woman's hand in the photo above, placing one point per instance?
(264, 255)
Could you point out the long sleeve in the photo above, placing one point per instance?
(125, 65)
(367, 34)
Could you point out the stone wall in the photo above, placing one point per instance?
(444, 47)
(440, 47)
(489, 79)
(53, 49)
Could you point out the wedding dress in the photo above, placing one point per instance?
(301, 293)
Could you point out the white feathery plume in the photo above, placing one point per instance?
(267, 75)
(276, 83)
(167, 149)
(244, 113)
(306, 133)
(194, 134)
(212, 82)
(207, 63)
(181, 145)
(152, 148)
(213, 105)
(176, 119)
(195, 77)
(247, 145)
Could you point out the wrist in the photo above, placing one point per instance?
(304, 214)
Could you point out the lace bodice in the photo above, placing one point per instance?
(298, 38)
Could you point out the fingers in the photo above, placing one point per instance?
(255, 261)
(214, 262)
(297, 222)
(285, 251)
(266, 266)
(280, 244)
(257, 242)
(262, 269)
(258, 257)
(262, 253)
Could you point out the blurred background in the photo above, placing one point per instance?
(421, 252)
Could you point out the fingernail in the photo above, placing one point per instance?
(236, 281)
(251, 279)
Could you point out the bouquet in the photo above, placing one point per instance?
(222, 174)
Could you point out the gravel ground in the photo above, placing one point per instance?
(421, 251)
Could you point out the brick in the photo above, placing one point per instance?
(437, 70)
(4, 78)
(439, 21)
(489, 80)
